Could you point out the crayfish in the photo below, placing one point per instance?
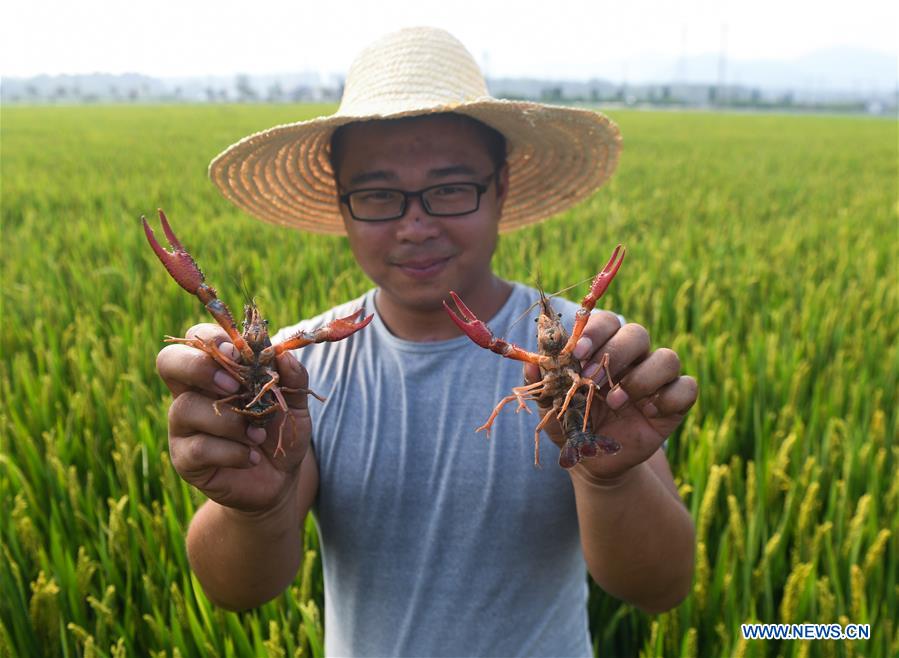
(259, 396)
(562, 389)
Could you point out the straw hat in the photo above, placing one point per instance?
(557, 155)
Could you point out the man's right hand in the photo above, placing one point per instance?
(229, 460)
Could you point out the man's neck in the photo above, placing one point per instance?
(434, 324)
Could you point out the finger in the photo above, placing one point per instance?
(675, 398)
(627, 347)
(207, 331)
(601, 326)
(646, 378)
(183, 367)
(194, 413)
(215, 334)
(199, 452)
(292, 375)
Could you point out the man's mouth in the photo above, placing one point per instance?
(422, 267)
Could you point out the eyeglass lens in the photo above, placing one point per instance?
(454, 199)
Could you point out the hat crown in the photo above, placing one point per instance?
(414, 68)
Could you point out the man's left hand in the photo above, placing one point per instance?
(649, 400)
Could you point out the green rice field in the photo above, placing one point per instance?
(762, 248)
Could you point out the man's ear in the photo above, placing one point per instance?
(502, 187)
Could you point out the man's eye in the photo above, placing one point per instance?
(376, 196)
(450, 190)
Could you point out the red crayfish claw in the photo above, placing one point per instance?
(342, 327)
(333, 331)
(602, 280)
(178, 262)
(472, 327)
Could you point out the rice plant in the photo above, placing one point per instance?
(762, 248)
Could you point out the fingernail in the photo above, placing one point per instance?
(254, 457)
(582, 348)
(650, 410)
(616, 398)
(256, 434)
(225, 381)
(229, 350)
(590, 370)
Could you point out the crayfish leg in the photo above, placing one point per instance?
(543, 423)
(591, 389)
(520, 393)
(282, 404)
(307, 391)
(216, 403)
(576, 382)
(279, 449)
(502, 403)
(269, 385)
(207, 345)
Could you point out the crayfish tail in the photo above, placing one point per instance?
(582, 444)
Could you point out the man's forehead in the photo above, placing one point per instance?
(415, 134)
(372, 173)
(439, 145)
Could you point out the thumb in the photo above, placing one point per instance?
(531, 373)
(292, 375)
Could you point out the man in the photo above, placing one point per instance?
(434, 543)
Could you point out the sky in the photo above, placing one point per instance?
(550, 39)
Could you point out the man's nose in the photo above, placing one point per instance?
(416, 225)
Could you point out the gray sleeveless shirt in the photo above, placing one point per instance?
(435, 540)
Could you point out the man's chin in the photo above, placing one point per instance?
(422, 300)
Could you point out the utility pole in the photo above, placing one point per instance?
(722, 64)
(682, 64)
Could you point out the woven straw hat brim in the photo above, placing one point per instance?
(557, 157)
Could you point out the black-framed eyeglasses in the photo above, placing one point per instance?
(378, 204)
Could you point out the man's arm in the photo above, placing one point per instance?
(245, 543)
(636, 534)
(244, 559)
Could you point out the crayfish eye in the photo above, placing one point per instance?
(560, 316)
(536, 319)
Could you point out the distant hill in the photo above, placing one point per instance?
(128, 86)
(834, 69)
(838, 76)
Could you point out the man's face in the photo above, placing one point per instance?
(417, 258)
